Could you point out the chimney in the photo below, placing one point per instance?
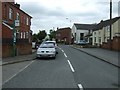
(17, 5)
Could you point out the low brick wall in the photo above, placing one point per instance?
(115, 44)
(21, 49)
(24, 49)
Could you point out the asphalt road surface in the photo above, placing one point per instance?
(70, 69)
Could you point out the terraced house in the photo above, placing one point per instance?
(101, 35)
(16, 33)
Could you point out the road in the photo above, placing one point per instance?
(70, 69)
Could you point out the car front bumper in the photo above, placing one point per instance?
(46, 55)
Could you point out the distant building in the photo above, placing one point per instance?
(82, 32)
(101, 36)
(63, 35)
(21, 36)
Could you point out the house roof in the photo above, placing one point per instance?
(63, 28)
(13, 4)
(96, 26)
(106, 23)
(85, 26)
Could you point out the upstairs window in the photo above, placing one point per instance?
(5, 11)
(10, 13)
(108, 28)
(17, 16)
(27, 21)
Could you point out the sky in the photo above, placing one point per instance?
(50, 14)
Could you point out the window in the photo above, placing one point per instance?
(108, 28)
(27, 21)
(21, 35)
(5, 8)
(10, 13)
(24, 35)
(27, 35)
(99, 39)
(81, 36)
(17, 16)
(95, 39)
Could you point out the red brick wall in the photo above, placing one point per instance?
(6, 50)
(23, 49)
(115, 44)
(6, 32)
(64, 33)
(23, 26)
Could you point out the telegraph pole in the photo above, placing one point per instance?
(14, 40)
(110, 25)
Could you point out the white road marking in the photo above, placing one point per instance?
(18, 72)
(62, 51)
(71, 66)
(59, 48)
(65, 55)
(80, 86)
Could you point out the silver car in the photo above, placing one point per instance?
(46, 50)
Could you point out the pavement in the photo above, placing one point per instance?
(17, 59)
(109, 56)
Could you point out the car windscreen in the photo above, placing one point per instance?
(46, 46)
(49, 43)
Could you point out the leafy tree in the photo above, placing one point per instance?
(34, 37)
(39, 36)
(52, 34)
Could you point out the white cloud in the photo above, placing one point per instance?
(53, 13)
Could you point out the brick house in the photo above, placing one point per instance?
(11, 12)
(63, 35)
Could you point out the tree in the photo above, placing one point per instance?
(39, 36)
(52, 34)
(34, 38)
(42, 34)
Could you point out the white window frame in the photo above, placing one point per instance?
(108, 28)
(10, 13)
(27, 21)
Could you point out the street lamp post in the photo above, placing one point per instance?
(70, 22)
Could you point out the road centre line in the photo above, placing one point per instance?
(62, 51)
(65, 55)
(71, 66)
(80, 86)
(18, 72)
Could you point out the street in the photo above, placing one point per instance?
(70, 69)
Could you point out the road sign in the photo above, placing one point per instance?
(17, 23)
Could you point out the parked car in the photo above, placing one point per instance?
(81, 42)
(52, 42)
(46, 50)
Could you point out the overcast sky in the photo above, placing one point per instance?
(50, 14)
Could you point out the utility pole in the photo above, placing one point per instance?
(110, 25)
(14, 40)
